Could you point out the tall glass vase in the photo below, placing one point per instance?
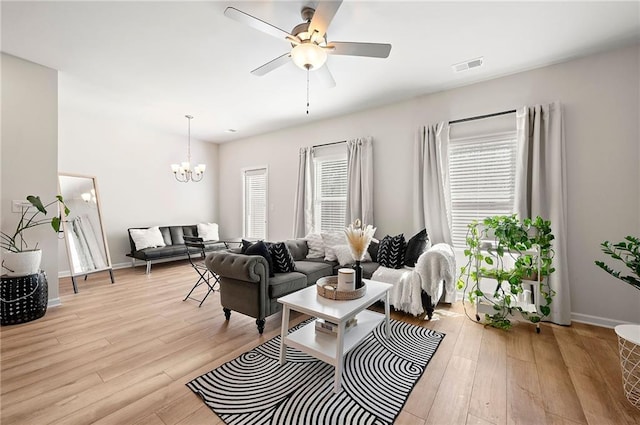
(358, 269)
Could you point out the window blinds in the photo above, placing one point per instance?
(482, 174)
(331, 194)
(255, 203)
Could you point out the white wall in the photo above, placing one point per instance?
(29, 151)
(131, 162)
(599, 94)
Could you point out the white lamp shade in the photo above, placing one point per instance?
(185, 166)
(175, 168)
(86, 197)
(308, 55)
(200, 168)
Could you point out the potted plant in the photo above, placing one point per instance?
(20, 258)
(511, 252)
(628, 252)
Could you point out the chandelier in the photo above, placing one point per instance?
(183, 172)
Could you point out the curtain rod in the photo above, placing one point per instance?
(479, 117)
(328, 144)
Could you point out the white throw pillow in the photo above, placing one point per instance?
(331, 239)
(315, 244)
(208, 231)
(343, 253)
(147, 238)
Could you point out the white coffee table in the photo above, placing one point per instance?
(332, 348)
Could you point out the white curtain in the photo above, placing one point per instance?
(303, 207)
(432, 199)
(541, 187)
(359, 181)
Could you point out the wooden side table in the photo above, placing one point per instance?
(629, 344)
(23, 298)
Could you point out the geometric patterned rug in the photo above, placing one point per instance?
(377, 378)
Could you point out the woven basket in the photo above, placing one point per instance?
(23, 298)
(328, 288)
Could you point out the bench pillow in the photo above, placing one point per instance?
(208, 231)
(147, 238)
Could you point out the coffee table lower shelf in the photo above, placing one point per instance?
(323, 346)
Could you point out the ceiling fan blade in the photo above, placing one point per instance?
(259, 24)
(270, 66)
(374, 50)
(323, 16)
(325, 77)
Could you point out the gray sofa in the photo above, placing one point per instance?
(245, 285)
(174, 245)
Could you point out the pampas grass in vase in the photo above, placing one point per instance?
(359, 237)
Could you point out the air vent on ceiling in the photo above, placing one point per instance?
(467, 65)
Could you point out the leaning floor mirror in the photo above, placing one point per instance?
(84, 233)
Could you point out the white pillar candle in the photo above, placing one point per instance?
(346, 280)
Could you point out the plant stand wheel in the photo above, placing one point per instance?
(477, 317)
(537, 328)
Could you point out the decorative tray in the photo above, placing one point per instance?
(328, 288)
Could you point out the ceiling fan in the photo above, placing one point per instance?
(309, 46)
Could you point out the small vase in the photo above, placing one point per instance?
(358, 268)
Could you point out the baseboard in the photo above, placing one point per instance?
(54, 302)
(596, 320)
(67, 273)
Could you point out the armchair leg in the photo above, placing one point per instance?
(260, 323)
(227, 313)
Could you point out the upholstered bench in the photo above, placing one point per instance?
(168, 244)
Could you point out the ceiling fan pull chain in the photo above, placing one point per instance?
(307, 90)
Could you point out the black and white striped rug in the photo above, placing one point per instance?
(378, 376)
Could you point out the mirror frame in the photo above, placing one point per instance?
(65, 228)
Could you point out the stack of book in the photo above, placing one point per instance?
(332, 328)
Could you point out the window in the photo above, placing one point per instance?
(330, 203)
(255, 203)
(482, 174)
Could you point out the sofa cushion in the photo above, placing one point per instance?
(161, 252)
(391, 251)
(314, 270)
(147, 238)
(281, 258)
(415, 247)
(285, 283)
(177, 235)
(298, 248)
(259, 248)
(166, 235)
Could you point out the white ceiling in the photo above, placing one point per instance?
(167, 59)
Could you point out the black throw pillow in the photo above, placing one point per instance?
(259, 248)
(415, 247)
(281, 258)
(391, 251)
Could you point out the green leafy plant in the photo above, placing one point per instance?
(627, 251)
(528, 245)
(15, 242)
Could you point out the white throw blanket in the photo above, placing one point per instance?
(405, 294)
(437, 268)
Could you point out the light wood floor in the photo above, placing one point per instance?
(121, 354)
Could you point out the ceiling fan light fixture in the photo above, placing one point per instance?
(308, 56)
